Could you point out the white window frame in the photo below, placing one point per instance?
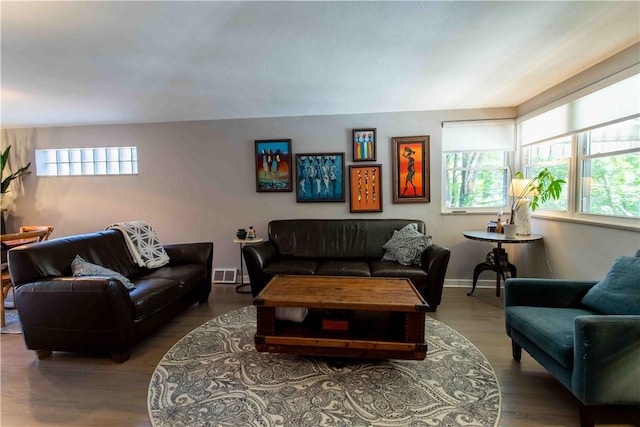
(87, 161)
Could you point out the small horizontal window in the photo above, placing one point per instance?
(87, 161)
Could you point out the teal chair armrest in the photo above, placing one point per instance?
(607, 359)
(545, 292)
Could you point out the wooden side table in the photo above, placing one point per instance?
(497, 260)
(242, 242)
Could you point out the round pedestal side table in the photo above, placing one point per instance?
(497, 260)
(242, 287)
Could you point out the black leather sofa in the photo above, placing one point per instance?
(60, 312)
(336, 247)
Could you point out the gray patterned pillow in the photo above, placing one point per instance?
(82, 268)
(406, 245)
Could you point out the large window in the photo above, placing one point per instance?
(87, 161)
(609, 164)
(593, 143)
(476, 180)
(476, 156)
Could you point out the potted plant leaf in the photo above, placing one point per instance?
(4, 162)
(533, 192)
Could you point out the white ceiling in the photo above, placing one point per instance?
(73, 63)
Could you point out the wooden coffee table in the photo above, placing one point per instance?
(379, 318)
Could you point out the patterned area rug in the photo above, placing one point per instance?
(215, 377)
(12, 322)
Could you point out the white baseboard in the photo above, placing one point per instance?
(468, 283)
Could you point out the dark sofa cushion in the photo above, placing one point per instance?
(619, 291)
(344, 268)
(550, 328)
(393, 269)
(188, 276)
(152, 295)
(292, 266)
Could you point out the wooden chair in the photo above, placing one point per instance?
(28, 228)
(31, 234)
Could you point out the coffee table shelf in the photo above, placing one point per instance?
(385, 317)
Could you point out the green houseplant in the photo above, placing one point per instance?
(6, 181)
(542, 187)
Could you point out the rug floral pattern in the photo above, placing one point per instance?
(215, 377)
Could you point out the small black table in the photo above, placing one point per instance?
(497, 260)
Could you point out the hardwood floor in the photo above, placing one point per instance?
(89, 390)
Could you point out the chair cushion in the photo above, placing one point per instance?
(406, 245)
(82, 268)
(619, 291)
(549, 328)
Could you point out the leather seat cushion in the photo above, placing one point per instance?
(395, 269)
(344, 268)
(188, 276)
(292, 266)
(153, 294)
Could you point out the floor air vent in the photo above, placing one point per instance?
(224, 275)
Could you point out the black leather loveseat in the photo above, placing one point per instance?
(60, 312)
(335, 247)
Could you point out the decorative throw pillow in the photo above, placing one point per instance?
(619, 291)
(82, 268)
(406, 245)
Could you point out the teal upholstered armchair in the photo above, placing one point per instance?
(585, 333)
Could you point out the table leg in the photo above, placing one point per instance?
(498, 261)
(242, 285)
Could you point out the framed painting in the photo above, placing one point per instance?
(320, 177)
(364, 145)
(410, 157)
(273, 165)
(365, 184)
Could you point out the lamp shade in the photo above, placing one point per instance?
(518, 186)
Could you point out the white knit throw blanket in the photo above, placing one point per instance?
(143, 243)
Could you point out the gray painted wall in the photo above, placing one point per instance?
(196, 182)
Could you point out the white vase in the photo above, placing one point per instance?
(523, 217)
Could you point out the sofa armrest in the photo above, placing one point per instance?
(55, 312)
(193, 253)
(435, 261)
(257, 256)
(606, 359)
(545, 292)
(190, 253)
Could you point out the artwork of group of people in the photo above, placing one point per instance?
(273, 166)
(319, 177)
(364, 145)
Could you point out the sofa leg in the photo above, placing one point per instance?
(516, 351)
(121, 357)
(43, 354)
(587, 415)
